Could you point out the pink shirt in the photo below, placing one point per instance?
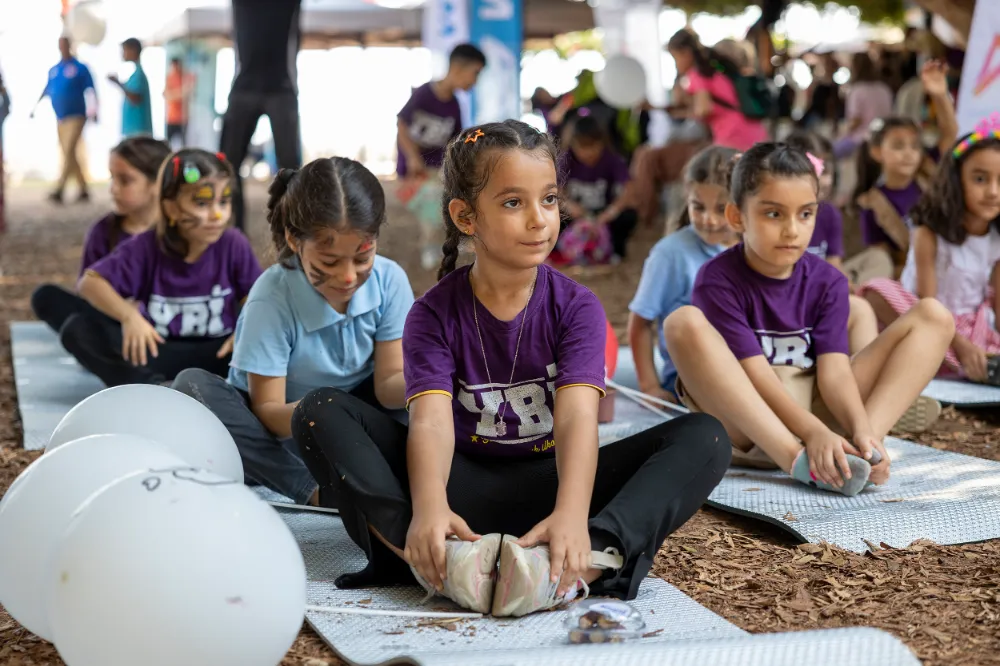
(867, 101)
(729, 127)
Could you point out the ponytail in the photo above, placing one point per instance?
(276, 214)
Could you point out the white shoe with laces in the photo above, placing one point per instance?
(471, 567)
(523, 584)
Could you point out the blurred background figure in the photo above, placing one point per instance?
(176, 94)
(137, 110)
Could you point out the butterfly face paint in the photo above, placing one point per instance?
(203, 210)
(338, 263)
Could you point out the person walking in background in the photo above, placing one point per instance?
(176, 93)
(266, 34)
(868, 99)
(69, 82)
(137, 112)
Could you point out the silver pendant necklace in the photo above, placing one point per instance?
(500, 426)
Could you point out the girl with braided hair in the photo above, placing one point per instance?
(496, 494)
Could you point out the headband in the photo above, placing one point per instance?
(988, 128)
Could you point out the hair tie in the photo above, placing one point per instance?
(221, 156)
(191, 173)
(988, 128)
(177, 165)
(817, 163)
(472, 138)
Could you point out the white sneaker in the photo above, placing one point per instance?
(523, 584)
(471, 572)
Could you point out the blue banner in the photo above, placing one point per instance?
(495, 26)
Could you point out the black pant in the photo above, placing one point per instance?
(621, 229)
(54, 305)
(95, 340)
(239, 123)
(646, 486)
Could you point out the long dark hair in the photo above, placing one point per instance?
(768, 160)
(144, 154)
(172, 181)
(942, 207)
(329, 193)
(468, 165)
(710, 166)
(706, 60)
(869, 171)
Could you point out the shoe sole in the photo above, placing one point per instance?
(921, 415)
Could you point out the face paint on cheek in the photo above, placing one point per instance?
(316, 278)
(366, 246)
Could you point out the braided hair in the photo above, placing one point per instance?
(469, 160)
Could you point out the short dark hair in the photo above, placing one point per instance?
(768, 160)
(133, 43)
(335, 193)
(468, 162)
(176, 61)
(467, 54)
(172, 180)
(588, 130)
(868, 170)
(810, 142)
(863, 68)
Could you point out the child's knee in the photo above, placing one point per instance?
(314, 406)
(931, 312)
(683, 326)
(861, 309)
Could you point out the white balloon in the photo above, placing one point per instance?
(622, 82)
(38, 506)
(178, 567)
(179, 422)
(85, 22)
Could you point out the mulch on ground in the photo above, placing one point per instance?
(942, 601)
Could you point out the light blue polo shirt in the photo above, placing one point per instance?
(666, 283)
(287, 329)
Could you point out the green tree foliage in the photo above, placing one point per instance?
(872, 11)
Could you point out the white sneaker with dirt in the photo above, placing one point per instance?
(523, 584)
(471, 572)
(921, 415)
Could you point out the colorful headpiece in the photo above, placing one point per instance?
(988, 128)
(472, 138)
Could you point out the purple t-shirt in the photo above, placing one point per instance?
(594, 187)
(184, 300)
(790, 321)
(828, 234)
(97, 244)
(432, 124)
(562, 345)
(902, 200)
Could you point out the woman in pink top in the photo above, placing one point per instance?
(713, 94)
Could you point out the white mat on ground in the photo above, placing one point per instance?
(682, 630)
(959, 393)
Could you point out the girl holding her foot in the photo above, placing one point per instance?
(765, 347)
(499, 468)
(954, 255)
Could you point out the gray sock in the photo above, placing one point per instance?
(860, 469)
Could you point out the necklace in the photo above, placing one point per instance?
(500, 426)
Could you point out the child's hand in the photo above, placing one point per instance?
(973, 360)
(569, 546)
(425, 541)
(138, 335)
(826, 451)
(934, 76)
(868, 446)
(658, 391)
(227, 347)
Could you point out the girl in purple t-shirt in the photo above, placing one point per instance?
(504, 369)
(765, 346)
(134, 164)
(168, 298)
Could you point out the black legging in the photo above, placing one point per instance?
(646, 486)
(54, 305)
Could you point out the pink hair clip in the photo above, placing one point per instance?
(988, 128)
(817, 163)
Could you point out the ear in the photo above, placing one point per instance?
(462, 216)
(734, 217)
(172, 210)
(875, 152)
(292, 243)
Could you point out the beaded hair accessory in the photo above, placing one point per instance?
(988, 128)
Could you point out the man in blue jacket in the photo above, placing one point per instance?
(68, 84)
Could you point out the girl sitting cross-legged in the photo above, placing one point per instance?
(504, 368)
(765, 347)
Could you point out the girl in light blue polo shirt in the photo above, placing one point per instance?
(673, 263)
(330, 313)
